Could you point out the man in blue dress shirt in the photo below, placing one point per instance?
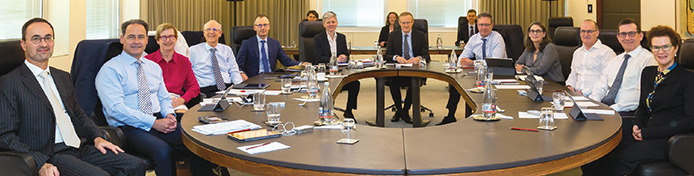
(486, 43)
(259, 54)
(214, 64)
(135, 99)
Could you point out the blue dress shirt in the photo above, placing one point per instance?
(495, 47)
(116, 84)
(200, 55)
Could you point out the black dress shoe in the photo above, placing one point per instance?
(446, 120)
(395, 118)
(406, 117)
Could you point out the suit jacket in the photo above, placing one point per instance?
(322, 47)
(249, 57)
(420, 45)
(385, 33)
(672, 106)
(27, 121)
(464, 33)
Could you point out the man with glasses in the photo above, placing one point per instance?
(40, 116)
(486, 43)
(259, 54)
(618, 85)
(213, 63)
(589, 60)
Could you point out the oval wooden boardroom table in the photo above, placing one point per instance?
(466, 147)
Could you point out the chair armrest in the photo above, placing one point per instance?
(113, 134)
(680, 151)
(17, 163)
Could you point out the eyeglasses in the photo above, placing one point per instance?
(262, 25)
(406, 23)
(624, 34)
(539, 31)
(484, 25)
(588, 31)
(667, 47)
(212, 29)
(166, 37)
(37, 39)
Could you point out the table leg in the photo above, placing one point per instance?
(380, 98)
(416, 105)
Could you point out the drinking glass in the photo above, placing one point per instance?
(539, 84)
(349, 131)
(320, 71)
(547, 119)
(273, 113)
(259, 101)
(286, 85)
(558, 101)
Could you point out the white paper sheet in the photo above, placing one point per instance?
(273, 146)
(512, 86)
(526, 115)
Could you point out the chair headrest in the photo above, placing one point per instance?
(560, 21)
(421, 25)
(310, 28)
(567, 36)
(686, 55)
(13, 55)
(240, 33)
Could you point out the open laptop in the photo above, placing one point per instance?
(501, 66)
(578, 114)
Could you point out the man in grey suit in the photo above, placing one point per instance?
(39, 115)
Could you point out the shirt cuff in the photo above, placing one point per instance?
(394, 58)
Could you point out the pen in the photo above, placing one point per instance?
(524, 129)
(264, 144)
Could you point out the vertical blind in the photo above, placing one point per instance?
(102, 19)
(356, 13)
(13, 14)
(440, 13)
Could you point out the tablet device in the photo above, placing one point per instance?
(577, 114)
(251, 86)
(501, 66)
(533, 92)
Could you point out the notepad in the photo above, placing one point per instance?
(273, 146)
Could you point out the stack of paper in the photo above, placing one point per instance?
(261, 148)
(225, 127)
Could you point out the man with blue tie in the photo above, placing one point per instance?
(214, 64)
(259, 54)
(135, 99)
(486, 43)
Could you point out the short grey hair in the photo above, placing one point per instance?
(205, 25)
(594, 23)
(329, 14)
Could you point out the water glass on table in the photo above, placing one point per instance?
(558, 99)
(273, 113)
(547, 119)
(259, 101)
(349, 132)
(286, 85)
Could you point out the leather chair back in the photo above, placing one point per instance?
(89, 56)
(513, 37)
(12, 55)
(686, 54)
(555, 22)
(195, 37)
(238, 35)
(566, 41)
(422, 25)
(307, 30)
(152, 45)
(609, 38)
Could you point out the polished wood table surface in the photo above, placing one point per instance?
(465, 147)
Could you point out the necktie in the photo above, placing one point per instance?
(612, 93)
(217, 72)
(263, 57)
(143, 95)
(406, 52)
(472, 31)
(484, 48)
(61, 119)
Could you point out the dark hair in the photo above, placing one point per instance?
(32, 21)
(664, 31)
(396, 17)
(597, 28)
(629, 21)
(485, 14)
(529, 45)
(472, 11)
(133, 21)
(312, 12)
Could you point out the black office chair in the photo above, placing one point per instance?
(238, 35)
(462, 23)
(554, 22)
(513, 38)
(307, 30)
(566, 41)
(680, 151)
(609, 38)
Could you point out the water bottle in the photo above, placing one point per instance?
(453, 61)
(325, 110)
(349, 42)
(333, 64)
(439, 42)
(489, 105)
(379, 58)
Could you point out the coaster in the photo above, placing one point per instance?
(480, 117)
(547, 128)
(272, 124)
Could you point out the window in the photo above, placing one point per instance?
(356, 13)
(440, 13)
(14, 13)
(102, 19)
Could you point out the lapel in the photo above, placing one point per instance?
(33, 85)
(254, 47)
(272, 52)
(415, 43)
(398, 42)
(61, 85)
(672, 77)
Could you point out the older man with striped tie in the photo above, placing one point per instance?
(135, 99)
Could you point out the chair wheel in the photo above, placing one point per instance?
(422, 110)
(431, 114)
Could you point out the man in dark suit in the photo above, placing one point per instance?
(471, 25)
(39, 115)
(405, 46)
(259, 54)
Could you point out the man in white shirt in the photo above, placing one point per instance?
(214, 64)
(589, 60)
(619, 85)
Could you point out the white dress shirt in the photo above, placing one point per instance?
(587, 66)
(200, 55)
(495, 47)
(36, 71)
(628, 95)
(332, 42)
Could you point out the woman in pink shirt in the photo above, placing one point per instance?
(178, 73)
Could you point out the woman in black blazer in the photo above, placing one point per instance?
(385, 30)
(666, 105)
